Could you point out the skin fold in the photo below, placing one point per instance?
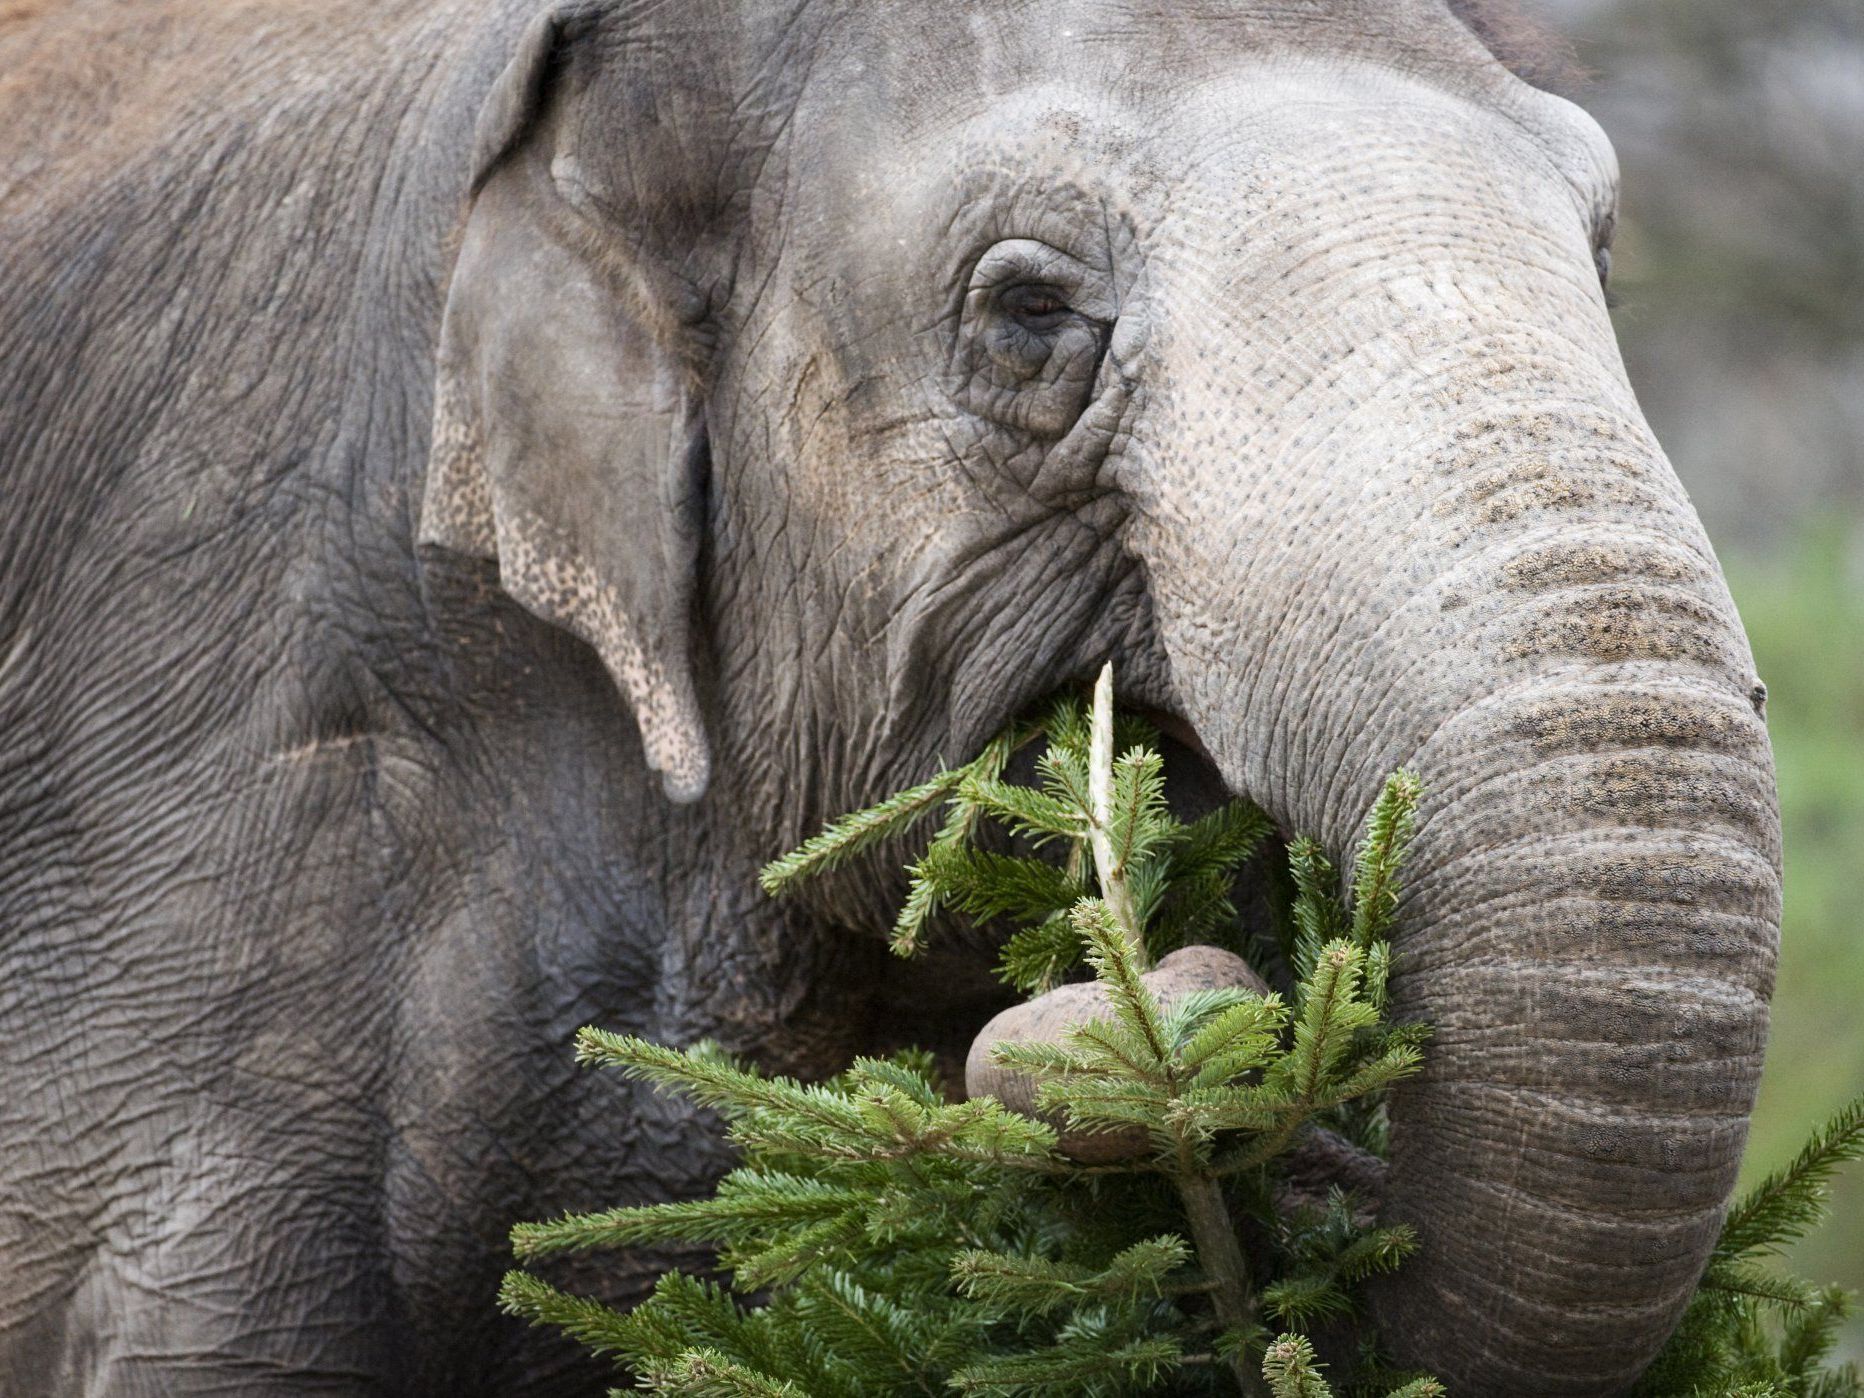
(479, 478)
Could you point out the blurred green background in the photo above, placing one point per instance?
(1805, 613)
(1740, 272)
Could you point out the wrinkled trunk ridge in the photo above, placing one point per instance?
(1589, 926)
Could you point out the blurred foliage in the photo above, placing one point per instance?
(1740, 252)
(1804, 610)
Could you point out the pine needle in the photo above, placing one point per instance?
(1381, 855)
(1789, 1202)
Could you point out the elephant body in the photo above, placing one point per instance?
(479, 478)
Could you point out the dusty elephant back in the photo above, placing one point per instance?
(203, 206)
(224, 230)
(89, 88)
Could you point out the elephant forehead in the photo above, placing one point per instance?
(933, 65)
(1099, 173)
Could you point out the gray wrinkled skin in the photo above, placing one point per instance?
(825, 381)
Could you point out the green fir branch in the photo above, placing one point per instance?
(860, 831)
(592, 1325)
(916, 913)
(883, 1240)
(1789, 1202)
(1292, 1370)
(1036, 958)
(1115, 959)
(745, 1204)
(1316, 917)
(1381, 854)
(1083, 1362)
(1035, 1286)
(705, 1373)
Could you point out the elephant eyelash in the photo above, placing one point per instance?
(1035, 307)
(1602, 261)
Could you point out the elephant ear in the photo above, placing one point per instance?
(568, 436)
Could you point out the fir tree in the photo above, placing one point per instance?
(881, 1239)
(898, 1242)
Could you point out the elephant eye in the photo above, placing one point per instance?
(1602, 255)
(1037, 308)
(1031, 330)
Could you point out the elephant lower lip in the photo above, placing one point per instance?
(1191, 771)
(1179, 731)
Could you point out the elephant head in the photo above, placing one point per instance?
(850, 375)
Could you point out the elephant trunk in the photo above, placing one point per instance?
(1488, 574)
(1590, 923)
(1590, 928)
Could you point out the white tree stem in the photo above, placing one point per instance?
(1114, 890)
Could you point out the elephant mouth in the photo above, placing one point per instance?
(1179, 731)
(1319, 1160)
(945, 995)
(1193, 780)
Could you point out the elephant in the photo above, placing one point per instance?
(482, 476)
